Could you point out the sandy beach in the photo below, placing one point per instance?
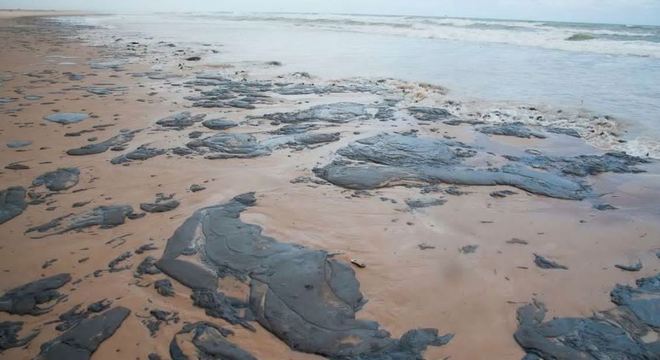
(379, 206)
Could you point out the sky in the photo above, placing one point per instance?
(645, 12)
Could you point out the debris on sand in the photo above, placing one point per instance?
(67, 118)
(58, 180)
(103, 216)
(116, 142)
(545, 263)
(181, 120)
(468, 249)
(391, 159)
(82, 341)
(161, 204)
(633, 268)
(12, 203)
(305, 297)
(209, 340)
(25, 300)
(9, 335)
(628, 331)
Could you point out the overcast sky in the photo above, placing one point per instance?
(611, 11)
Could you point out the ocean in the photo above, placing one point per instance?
(601, 69)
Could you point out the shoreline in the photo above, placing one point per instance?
(603, 131)
(601, 119)
(473, 295)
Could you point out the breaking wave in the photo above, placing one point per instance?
(603, 38)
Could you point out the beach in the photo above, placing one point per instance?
(318, 206)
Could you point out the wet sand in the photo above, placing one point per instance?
(17, 13)
(473, 295)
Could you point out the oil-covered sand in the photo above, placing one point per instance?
(209, 209)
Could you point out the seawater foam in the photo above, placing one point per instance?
(641, 41)
(602, 132)
(604, 39)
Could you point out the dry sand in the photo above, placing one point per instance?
(473, 295)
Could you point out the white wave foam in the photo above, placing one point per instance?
(641, 41)
(520, 33)
(602, 132)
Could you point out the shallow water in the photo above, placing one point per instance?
(615, 73)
